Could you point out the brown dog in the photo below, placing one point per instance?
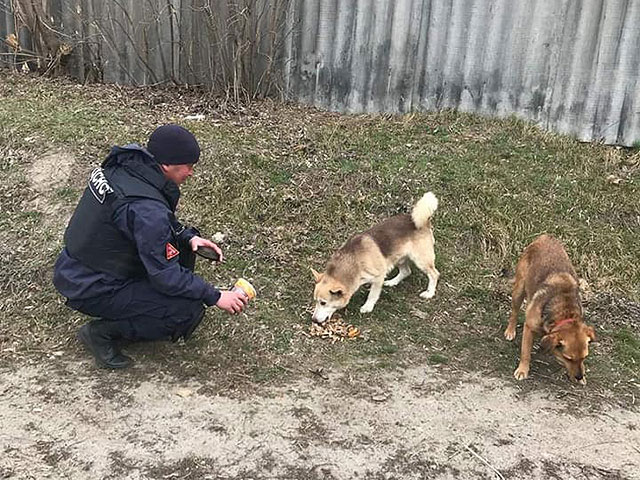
(545, 275)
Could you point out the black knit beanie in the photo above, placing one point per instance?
(173, 145)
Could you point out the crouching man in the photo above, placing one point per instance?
(127, 260)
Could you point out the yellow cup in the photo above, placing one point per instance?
(243, 286)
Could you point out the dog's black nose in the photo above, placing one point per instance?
(579, 376)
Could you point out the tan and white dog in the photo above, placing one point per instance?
(368, 258)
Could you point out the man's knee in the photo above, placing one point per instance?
(173, 326)
(186, 329)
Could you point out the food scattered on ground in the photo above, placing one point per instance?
(334, 329)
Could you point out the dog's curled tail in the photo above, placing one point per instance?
(424, 209)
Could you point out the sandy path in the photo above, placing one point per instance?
(65, 419)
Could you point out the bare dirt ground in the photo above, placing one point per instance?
(64, 418)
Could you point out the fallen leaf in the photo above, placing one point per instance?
(184, 392)
(613, 179)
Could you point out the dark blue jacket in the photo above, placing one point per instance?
(146, 224)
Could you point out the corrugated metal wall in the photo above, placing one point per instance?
(569, 65)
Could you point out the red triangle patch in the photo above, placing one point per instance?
(171, 251)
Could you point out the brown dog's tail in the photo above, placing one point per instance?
(424, 209)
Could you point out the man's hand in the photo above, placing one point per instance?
(196, 241)
(232, 302)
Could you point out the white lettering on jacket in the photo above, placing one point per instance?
(99, 185)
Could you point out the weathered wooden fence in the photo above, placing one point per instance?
(569, 65)
(231, 45)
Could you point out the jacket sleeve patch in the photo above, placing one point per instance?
(171, 251)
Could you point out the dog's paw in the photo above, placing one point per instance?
(427, 294)
(366, 308)
(521, 373)
(510, 333)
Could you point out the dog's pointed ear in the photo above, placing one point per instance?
(550, 341)
(337, 293)
(591, 333)
(316, 275)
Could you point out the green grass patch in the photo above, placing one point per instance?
(627, 349)
(437, 359)
(288, 185)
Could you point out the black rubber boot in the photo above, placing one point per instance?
(100, 337)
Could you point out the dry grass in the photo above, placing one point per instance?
(288, 185)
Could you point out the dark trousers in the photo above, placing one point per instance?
(144, 314)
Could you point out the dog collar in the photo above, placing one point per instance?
(562, 322)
